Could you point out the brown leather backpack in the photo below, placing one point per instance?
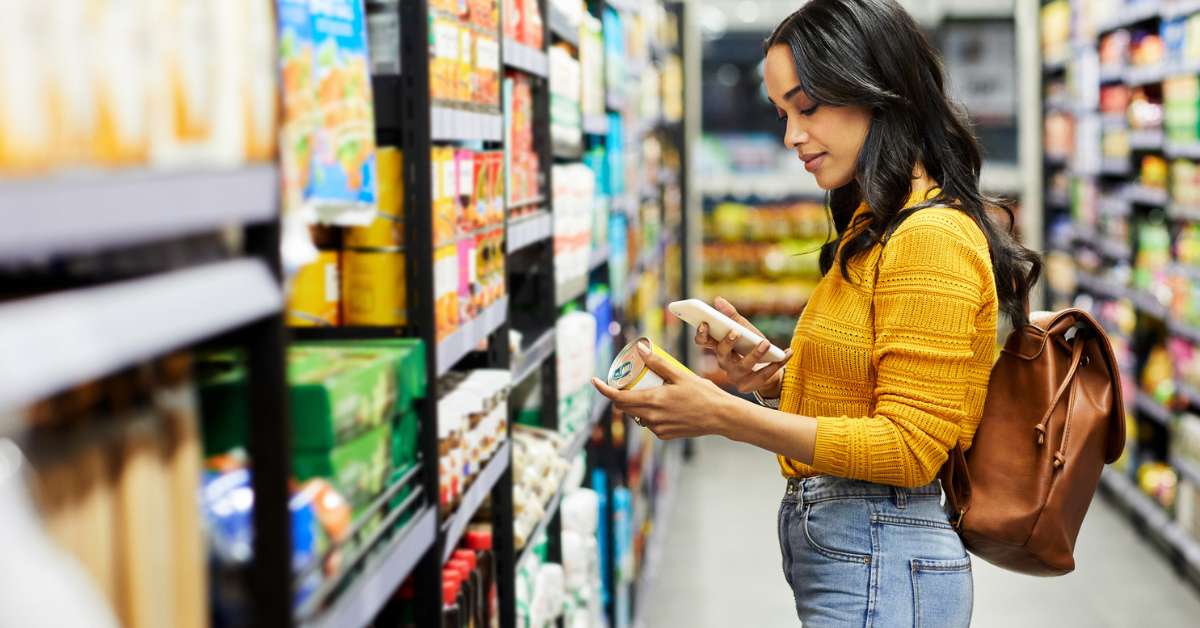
(1052, 420)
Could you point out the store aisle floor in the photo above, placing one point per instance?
(721, 566)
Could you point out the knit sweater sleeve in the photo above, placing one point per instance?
(929, 292)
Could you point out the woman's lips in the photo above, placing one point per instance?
(812, 162)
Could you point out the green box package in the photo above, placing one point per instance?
(358, 469)
(334, 394)
(409, 355)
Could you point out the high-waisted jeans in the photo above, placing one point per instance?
(863, 554)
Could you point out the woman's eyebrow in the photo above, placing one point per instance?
(788, 95)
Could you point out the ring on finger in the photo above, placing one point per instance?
(638, 420)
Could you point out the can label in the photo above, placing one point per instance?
(629, 370)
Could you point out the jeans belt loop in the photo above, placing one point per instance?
(901, 496)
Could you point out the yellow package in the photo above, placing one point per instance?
(26, 130)
(445, 218)
(261, 90)
(182, 82)
(445, 289)
(72, 105)
(374, 284)
(315, 299)
(443, 58)
(384, 231)
(117, 67)
(389, 168)
(465, 79)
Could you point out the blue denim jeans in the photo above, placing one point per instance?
(862, 554)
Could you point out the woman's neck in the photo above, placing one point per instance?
(922, 183)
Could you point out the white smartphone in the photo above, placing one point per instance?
(695, 311)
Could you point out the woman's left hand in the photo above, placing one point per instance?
(685, 406)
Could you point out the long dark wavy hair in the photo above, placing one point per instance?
(871, 53)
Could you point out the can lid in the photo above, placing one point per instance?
(479, 540)
(468, 556)
(461, 567)
(627, 367)
(450, 592)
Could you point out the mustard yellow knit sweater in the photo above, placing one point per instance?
(896, 373)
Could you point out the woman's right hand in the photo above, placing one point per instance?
(739, 369)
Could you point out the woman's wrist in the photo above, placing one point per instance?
(773, 388)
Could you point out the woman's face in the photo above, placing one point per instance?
(826, 138)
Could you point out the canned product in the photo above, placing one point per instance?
(315, 300)
(374, 285)
(629, 370)
(384, 231)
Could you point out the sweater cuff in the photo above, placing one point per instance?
(832, 447)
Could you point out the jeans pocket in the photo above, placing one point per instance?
(839, 530)
(943, 593)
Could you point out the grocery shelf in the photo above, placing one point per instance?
(83, 213)
(530, 541)
(1153, 409)
(561, 26)
(1099, 287)
(1114, 205)
(1147, 304)
(527, 59)
(570, 290)
(1058, 200)
(456, 525)
(1055, 65)
(615, 103)
(1178, 211)
(561, 151)
(1146, 139)
(1146, 75)
(1112, 73)
(1186, 150)
(1183, 330)
(622, 5)
(527, 231)
(383, 575)
(1186, 468)
(1145, 195)
(461, 125)
(464, 340)
(53, 342)
(779, 184)
(533, 357)
(1130, 15)
(595, 124)
(1179, 8)
(1144, 508)
(1115, 166)
(580, 439)
(1189, 393)
(599, 258)
(537, 200)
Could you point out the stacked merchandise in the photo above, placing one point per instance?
(538, 473)
(581, 559)
(523, 22)
(120, 88)
(468, 234)
(763, 259)
(566, 90)
(523, 164)
(464, 61)
(124, 505)
(355, 433)
(469, 584)
(472, 424)
(576, 355)
(573, 206)
(1123, 229)
(327, 139)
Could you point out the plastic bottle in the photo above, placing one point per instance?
(466, 591)
(451, 616)
(478, 593)
(481, 542)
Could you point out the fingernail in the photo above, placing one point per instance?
(763, 345)
(643, 347)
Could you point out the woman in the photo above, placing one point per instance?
(888, 368)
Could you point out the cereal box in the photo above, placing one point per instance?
(299, 115)
(342, 185)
